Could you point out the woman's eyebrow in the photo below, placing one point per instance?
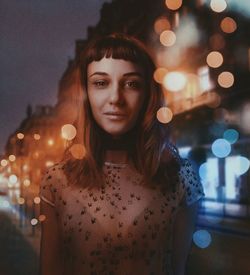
(98, 73)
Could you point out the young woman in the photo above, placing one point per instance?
(129, 204)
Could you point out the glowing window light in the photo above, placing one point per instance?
(26, 182)
(228, 25)
(159, 74)
(68, 131)
(34, 221)
(204, 79)
(202, 238)
(167, 38)
(50, 142)
(37, 136)
(214, 59)
(20, 135)
(218, 5)
(231, 135)
(161, 24)
(174, 81)
(221, 148)
(78, 151)
(42, 218)
(242, 165)
(173, 4)
(12, 158)
(164, 115)
(226, 79)
(37, 200)
(13, 179)
(4, 162)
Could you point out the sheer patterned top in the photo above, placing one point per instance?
(123, 228)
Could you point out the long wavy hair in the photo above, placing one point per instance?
(149, 148)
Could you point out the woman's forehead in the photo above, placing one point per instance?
(114, 67)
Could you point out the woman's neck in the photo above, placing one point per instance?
(116, 156)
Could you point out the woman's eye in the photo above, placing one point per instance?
(100, 83)
(132, 84)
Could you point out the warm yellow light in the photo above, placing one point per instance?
(34, 221)
(36, 155)
(218, 5)
(226, 79)
(164, 115)
(49, 163)
(174, 81)
(20, 135)
(21, 200)
(173, 4)
(37, 200)
(37, 136)
(214, 59)
(159, 74)
(228, 25)
(13, 179)
(4, 162)
(12, 157)
(50, 142)
(161, 24)
(78, 151)
(25, 167)
(42, 218)
(26, 182)
(167, 38)
(68, 131)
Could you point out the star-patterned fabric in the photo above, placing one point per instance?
(122, 228)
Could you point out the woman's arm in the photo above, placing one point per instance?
(50, 251)
(183, 229)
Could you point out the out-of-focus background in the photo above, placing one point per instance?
(202, 52)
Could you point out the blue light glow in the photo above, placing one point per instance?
(242, 165)
(203, 171)
(231, 135)
(202, 238)
(221, 148)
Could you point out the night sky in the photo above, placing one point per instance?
(37, 40)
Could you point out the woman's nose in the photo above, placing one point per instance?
(116, 96)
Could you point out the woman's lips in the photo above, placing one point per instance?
(115, 116)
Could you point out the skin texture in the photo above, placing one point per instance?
(115, 86)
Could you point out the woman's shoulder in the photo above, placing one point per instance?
(190, 186)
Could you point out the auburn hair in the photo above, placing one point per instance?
(150, 150)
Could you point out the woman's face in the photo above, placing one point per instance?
(116, 92)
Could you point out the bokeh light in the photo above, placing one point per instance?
(231, 135)
(159, 74)
(12, 158)
(21, 200)
(167, 38)
(50, 142)
(173, 4)
(37, 200)
(203, 169)
(228, 25)
(221, 148)
(34, 221)
(242, 165)
(216, 100)
(37, 136)
(161, 24)
(4, 162)
(42, 218)
(26, 182)
(49, 163)
(78, 151)
(13, 179)
(218, 5)
(20, 135)
(214, 59)
(68, 131)
(226, 79)
(174, 81)
(164, 115)
(202, 238)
